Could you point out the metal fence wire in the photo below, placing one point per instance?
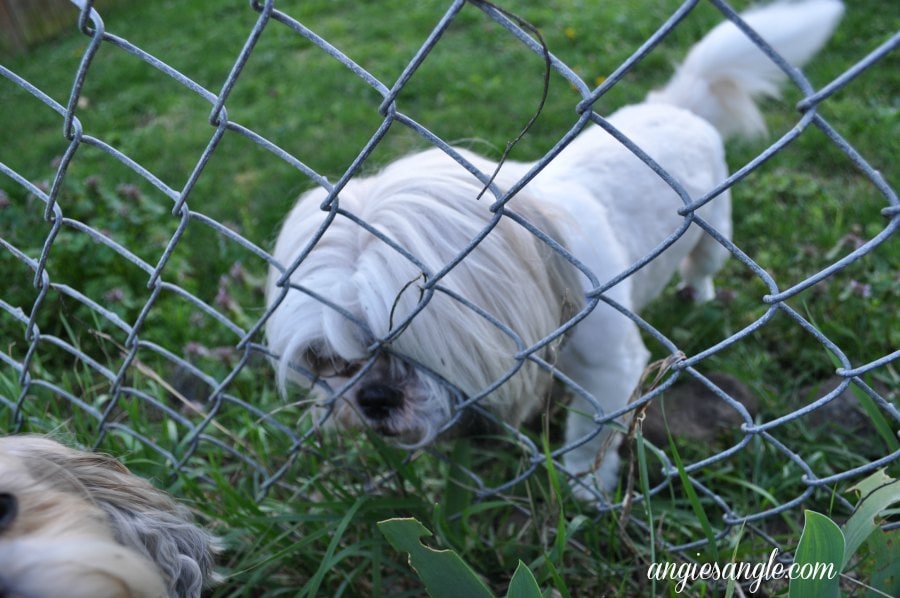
(137, 375)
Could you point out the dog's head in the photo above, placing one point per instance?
(394, 340)
(80, 524)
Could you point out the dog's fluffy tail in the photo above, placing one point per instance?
(726, 71)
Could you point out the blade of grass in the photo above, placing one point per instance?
(694, 501)
(328, 561)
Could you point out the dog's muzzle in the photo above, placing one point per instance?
(379, 401)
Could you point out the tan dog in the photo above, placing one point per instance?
(79, 524)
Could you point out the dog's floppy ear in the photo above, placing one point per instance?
(143, 518)
(166, 534)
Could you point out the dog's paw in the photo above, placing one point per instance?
(699, 291)
(599, 485)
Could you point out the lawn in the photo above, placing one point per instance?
(297, 509)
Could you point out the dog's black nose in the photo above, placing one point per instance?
(9, 508)
(377, 401)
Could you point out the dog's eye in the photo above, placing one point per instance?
(330, 366)
(9, 508)
(315, 361)
(346, 369)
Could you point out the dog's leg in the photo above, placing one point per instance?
(698, 268)
(708, 255)
(606, 357)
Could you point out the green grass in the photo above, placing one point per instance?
(315, 531)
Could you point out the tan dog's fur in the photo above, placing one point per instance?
(79, 524)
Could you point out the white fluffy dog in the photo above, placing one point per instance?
(80, 525)
(379, 303)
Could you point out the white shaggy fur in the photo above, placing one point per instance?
(596, 199)
(80, 525)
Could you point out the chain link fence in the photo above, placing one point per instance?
(75, 359)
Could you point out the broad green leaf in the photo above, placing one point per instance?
(884, 548)
(877, 492)
(443, 572)
(821, 545)
(523, 584)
